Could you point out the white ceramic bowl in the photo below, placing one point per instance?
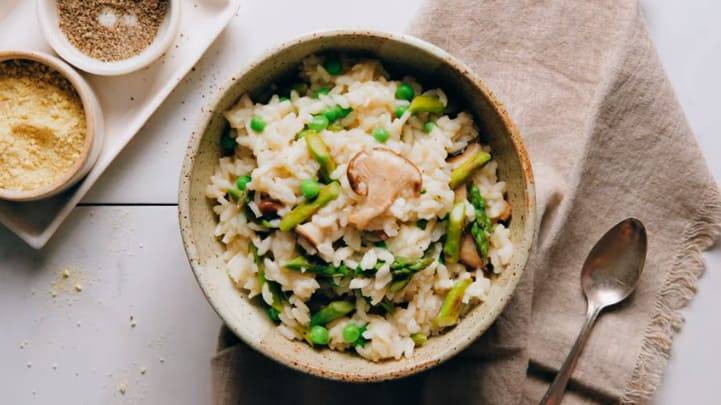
(94, 123)
(48, 15)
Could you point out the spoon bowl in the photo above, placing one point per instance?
(613, 267)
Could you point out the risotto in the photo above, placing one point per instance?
(360, 211)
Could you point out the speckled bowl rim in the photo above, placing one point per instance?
(88, 100)
(527, 236)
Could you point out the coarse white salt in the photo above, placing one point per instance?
(107, 17)
(130, 20)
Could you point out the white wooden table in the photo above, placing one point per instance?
(140, 324)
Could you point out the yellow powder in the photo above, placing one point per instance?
(42, 125)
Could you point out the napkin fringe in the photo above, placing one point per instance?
(678, 289)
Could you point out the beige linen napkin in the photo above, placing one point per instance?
(607, 140)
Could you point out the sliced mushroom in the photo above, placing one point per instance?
(268, 206)
(381, 176)
(470, 150)
(375, 236)
(382, 235)
(310, 232)
(469, 254)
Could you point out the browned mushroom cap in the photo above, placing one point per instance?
(310, 232)
(470, 150)
(380, 175)
(469, 254)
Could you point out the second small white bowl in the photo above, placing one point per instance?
(47, 11)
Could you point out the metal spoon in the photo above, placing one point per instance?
(609, 275)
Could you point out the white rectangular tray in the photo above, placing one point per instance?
(127, 101)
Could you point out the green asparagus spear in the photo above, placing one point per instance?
(452, 304)
(403, 269)
(266, 223)
(481, 227)
(400, 263)
(419, 338)
(236, 195)
(305, 210)
(331, 312)
(399, 284)
(386, 305)
(426, 104)
(277, 306)
(460, 174)
(300, 263)
(273, 314)
(320, 152)
(420, 264)
(454, 232)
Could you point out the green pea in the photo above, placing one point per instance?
(257, 123)
(337, 112)
(428, 127)
(310, 188)
(333, 65)
(319, 123)
(351, 333)
(381, 135)
(332, 113)
(242, 182)
(400, 110)
(321, 90)
(405, 92)
(343, 112)
(228, 143)
(319, 335)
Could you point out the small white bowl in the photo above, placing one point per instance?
(94, 123)
(48, 15)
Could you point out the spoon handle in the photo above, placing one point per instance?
(554, 395)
